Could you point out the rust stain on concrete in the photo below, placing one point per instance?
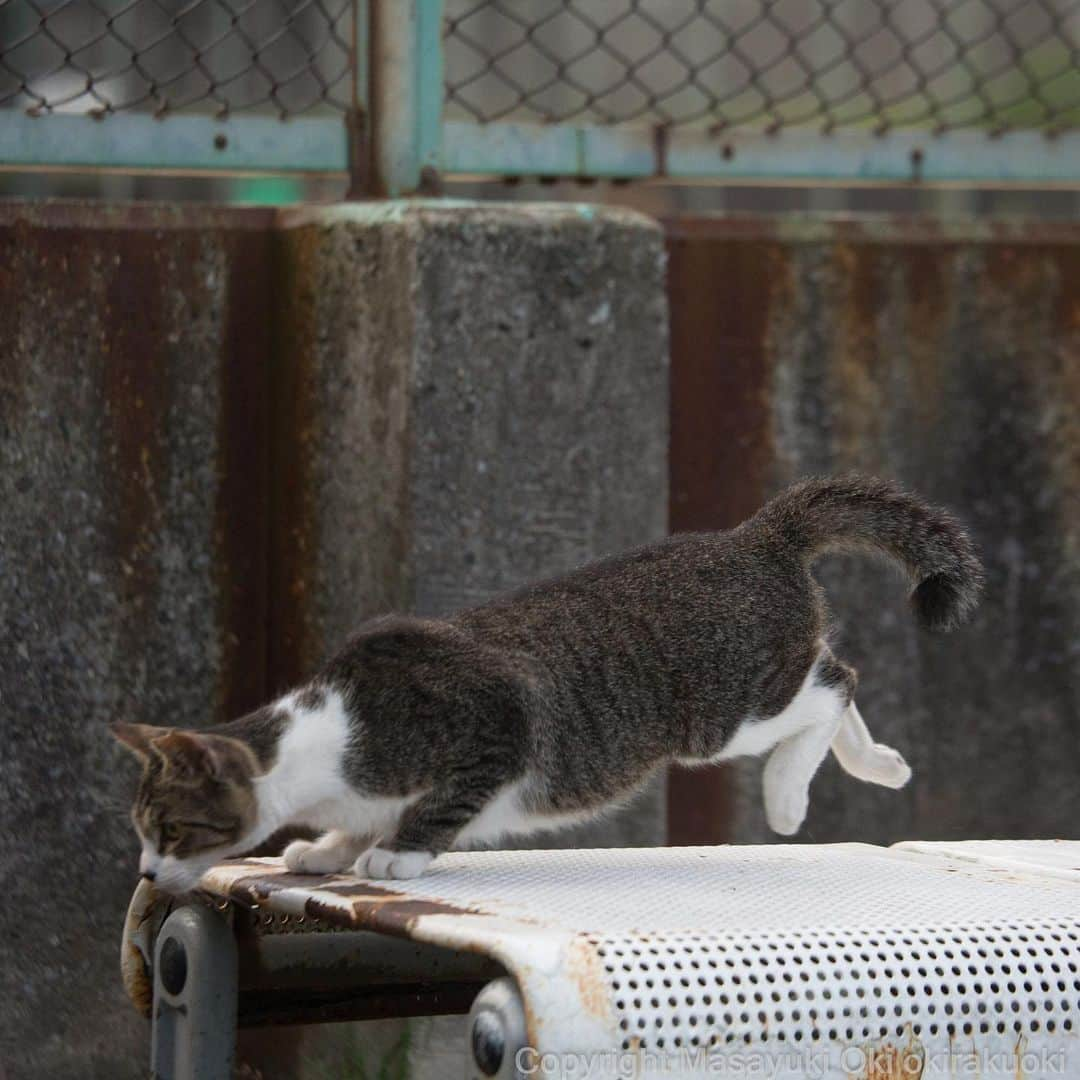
(927, 280)
(242, 527)
(294, 521)
(719, 293)
(719, 290)
(857, 377)
(135, 403)
(1063, 450)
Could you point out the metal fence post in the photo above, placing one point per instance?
(405, 95)
(195, 997)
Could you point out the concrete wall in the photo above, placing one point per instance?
(228, 437)
(132, 571)
(947, 356)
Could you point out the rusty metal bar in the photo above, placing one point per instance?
(973, 158)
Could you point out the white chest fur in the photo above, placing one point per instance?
(307, 784)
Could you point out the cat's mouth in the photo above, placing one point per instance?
(171, 875)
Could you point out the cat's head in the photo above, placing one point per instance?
(195, 804)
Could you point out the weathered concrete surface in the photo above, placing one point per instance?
(949, 357)
(226, 438)
(493, 412)
(478, 398)
(132, 575)
(558, 383)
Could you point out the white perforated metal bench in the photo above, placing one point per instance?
(788, 961)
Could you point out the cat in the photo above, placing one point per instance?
(545, 707)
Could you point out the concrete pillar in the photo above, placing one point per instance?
(479, 400)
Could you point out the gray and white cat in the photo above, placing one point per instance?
(547, 706)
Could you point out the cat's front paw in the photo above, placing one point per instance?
(379, 864)
(293, 856)
(307, 857)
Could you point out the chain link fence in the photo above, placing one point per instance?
(162, 56)
(938, 65)
(636, 68)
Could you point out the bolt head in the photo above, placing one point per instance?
(488, 1043)
(173, 963)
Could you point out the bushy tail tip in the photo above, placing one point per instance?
(943, 601)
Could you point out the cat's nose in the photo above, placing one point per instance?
(149, 874)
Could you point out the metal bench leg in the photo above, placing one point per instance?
(195, 987)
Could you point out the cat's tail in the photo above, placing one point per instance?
(863, 513)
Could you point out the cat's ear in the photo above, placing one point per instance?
(138, 738)
(187, 752)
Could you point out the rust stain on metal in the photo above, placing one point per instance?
(136, 275)
(13, 383)
(1067, 307)
(532, 1025)
(587, 972)
(147, 910)
(358, 905)
(534, 1021)
(894, 230)
(887, 1061)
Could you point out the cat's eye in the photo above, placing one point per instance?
(169, 833)
(206, 826)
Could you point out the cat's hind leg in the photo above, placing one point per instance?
(819, 707)
(332, 852)
(865, 759)
(788, 772)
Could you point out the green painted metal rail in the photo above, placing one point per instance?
(408, 143)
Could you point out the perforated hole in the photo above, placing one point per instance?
(802, 986)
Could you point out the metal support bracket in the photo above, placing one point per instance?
(195, 997)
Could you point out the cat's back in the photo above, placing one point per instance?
(682, 581)
(660, 650)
